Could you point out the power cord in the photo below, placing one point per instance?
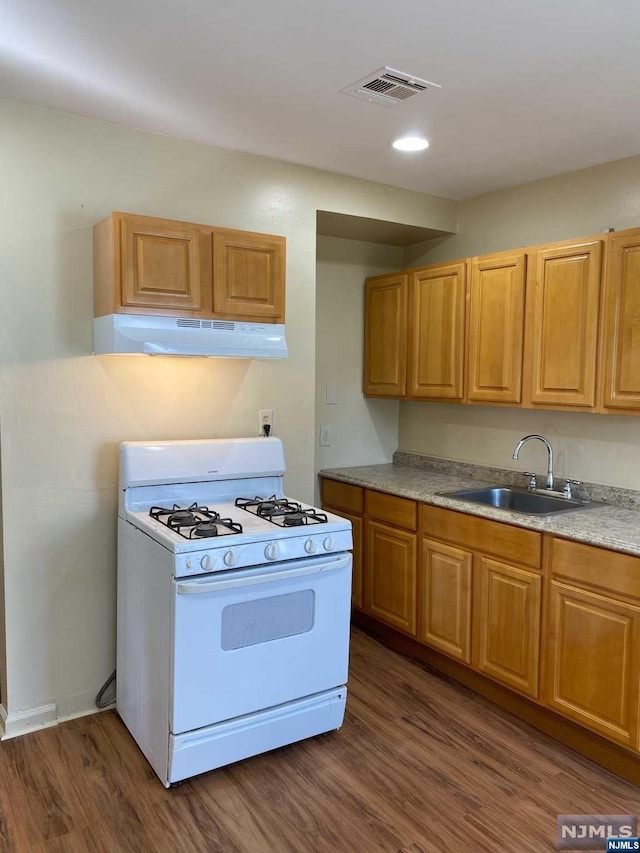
(100, 701)
(266, 429)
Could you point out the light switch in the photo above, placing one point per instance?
(331, 394)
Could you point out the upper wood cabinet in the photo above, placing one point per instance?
(437, 311)
(496, 328)
(248, 275)
(563, 294)
(146, 265)
(621, 323)
(385, 336)
(546, 327)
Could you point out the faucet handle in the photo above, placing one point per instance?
(533, 480)
(567, 487)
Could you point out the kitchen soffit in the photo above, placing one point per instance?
(350, 227)
(529, 90)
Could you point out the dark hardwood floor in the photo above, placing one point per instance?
(420, 766)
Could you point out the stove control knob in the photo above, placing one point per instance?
(271, 551)
(310, 546)
(229, 559)
(329, 544)
(205, 563)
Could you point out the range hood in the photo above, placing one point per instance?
(156, 335)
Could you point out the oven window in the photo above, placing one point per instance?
(264, 619)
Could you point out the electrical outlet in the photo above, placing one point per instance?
(325, 438)
(265, 418)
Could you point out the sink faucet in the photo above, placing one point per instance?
(549, 452)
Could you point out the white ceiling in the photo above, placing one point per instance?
(529, 89)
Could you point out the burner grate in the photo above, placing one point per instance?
(281, 511)
(194, 522)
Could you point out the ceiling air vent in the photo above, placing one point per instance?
(389, 87)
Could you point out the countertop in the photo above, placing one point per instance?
(607, 526)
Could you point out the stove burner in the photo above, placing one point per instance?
(194, 521)
(205, 528)
(267, 506)
(294, 519)
(183, 518)
(215, 526)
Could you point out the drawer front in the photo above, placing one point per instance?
(479, 534)
(584, 563)
(399, 511)
(342, 495)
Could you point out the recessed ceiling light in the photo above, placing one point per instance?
(411, 143)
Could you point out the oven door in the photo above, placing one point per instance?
(252, 639)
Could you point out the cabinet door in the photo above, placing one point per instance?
(438, 297)
(496, 328)
(621, 322)
(592, 661)
(445, 599)
(508, 607)
(249, 276)
(563, 296)
(356, 532)
(390, 576)
(162, 265)
(385, 336)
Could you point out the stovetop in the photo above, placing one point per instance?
(194, 521)
(214, 525)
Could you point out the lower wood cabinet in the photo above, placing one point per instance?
(478, 592)
(347, 500)
(508, 604)
(472, 578)
(592, 661)
(445, 599)
(390, 576)
(356, 532)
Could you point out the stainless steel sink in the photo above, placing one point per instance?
(520, 500)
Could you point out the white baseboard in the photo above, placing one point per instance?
(27, 721)
(13, 725)
(87, 712)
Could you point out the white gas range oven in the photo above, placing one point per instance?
(233, 605)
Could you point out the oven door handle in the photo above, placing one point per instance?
(200, 588)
